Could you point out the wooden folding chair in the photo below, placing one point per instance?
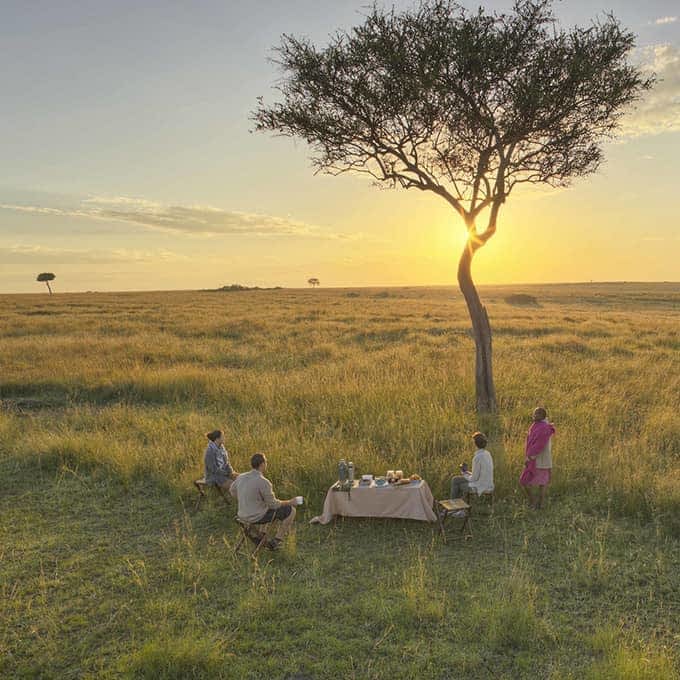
(245, 534)
(457, 508)
(201, 485)
(483, 497)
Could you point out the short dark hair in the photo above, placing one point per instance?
(541, 412)
(257, 460)
(479, 439)
(214, 435)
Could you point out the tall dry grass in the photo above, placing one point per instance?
(124, 385)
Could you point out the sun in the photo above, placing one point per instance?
(457, 236)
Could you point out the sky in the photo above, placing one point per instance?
(128, 162)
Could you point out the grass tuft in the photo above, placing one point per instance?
(176, 658)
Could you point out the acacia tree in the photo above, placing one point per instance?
(465, 105)
(46, 277)
(313, 282)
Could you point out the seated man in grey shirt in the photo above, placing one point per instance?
(257, 503)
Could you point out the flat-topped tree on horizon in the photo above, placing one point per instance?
(313, 282)
(465, 105)
(46, 277)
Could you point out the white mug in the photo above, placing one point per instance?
(299, 500)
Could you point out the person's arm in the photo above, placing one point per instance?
(267, 493)
(210, 461)
(233, 488)
(271, 501)
(226, 465)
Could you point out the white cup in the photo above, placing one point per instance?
(299, 500)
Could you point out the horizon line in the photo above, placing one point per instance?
(345, 287)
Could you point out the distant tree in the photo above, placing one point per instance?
(313, 282)
(465, 105)
(46, 277)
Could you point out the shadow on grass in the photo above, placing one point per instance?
(153, 389)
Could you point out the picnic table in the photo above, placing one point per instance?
(407, 501)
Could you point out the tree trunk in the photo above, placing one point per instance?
(486, 392)
(48, 287)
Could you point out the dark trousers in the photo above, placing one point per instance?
(459, 486)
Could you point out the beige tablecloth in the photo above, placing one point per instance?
(403, 502)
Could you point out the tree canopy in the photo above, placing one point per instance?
(45, 278)
(467, 105)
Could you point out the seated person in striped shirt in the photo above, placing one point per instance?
(257, 503)
(218, 469)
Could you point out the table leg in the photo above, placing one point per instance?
(441, 516)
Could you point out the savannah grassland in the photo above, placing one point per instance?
(106, 571)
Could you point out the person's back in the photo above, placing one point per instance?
(250, 489)
(482, 472)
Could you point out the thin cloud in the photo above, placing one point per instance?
(201, 220)
(39, 255)
(193, 220)
(665, 20)
(659, 110)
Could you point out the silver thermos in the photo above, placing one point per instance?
(342, 471)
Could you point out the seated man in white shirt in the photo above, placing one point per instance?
(480, 480)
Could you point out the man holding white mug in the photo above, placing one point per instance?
(257, 503)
